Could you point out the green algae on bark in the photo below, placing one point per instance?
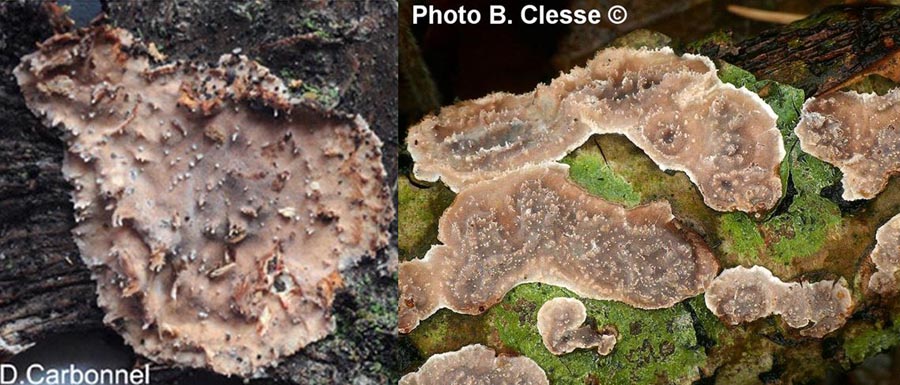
(596, 176)
(654, 346)
(419, 211)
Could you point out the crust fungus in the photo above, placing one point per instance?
(743, 294)
(857, 134)
(182, 177)
(476, 365)
(886, 257)
(672, 107)
(560, 322)
(534, 225)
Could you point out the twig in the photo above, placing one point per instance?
(763, 15)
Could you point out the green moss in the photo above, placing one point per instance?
(420, 209)
(654, 346)
(589, 170)
(448, 331)
(811, 175)
(740, 237)
(801, 231)
(865, 340)
(732, 74)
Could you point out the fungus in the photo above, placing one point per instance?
(857, 134)
(476, 365)
(560, 324)
(886, 258)
(534, 225)
(672, 107)
(183, 230)
(743, 294)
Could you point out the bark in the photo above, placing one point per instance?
(819, 53)
(345, 54)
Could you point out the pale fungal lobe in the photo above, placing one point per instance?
(476, 365)
(856, 133)
(741, 294)
(886, 257)
(560, 322)
(535, 225)
(672, 107)
(195, 204)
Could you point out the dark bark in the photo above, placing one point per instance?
(819, 53)
(345, 54)
(44, 288)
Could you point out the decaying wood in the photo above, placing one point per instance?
(821, 52)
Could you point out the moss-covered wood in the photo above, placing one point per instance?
(812, 234)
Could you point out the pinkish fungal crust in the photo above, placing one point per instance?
(673, 107)
(476, 365)
(857, 134)
(886, 257)
(560, 322)
(534, 225)
(183, 178)
(743, 294)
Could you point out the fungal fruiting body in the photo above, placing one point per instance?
(672, 107)
(856, 133)
(560, 322)
(215, 213)
(535, 225)
(743, 294)
(476, 365)
(886, 257)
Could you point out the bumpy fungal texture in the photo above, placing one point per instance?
(215, 213)
(886, 256)
(672, 107)
(535, 225)
(476, 365)
(856, 133)
(743, 294)
(560, 321)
